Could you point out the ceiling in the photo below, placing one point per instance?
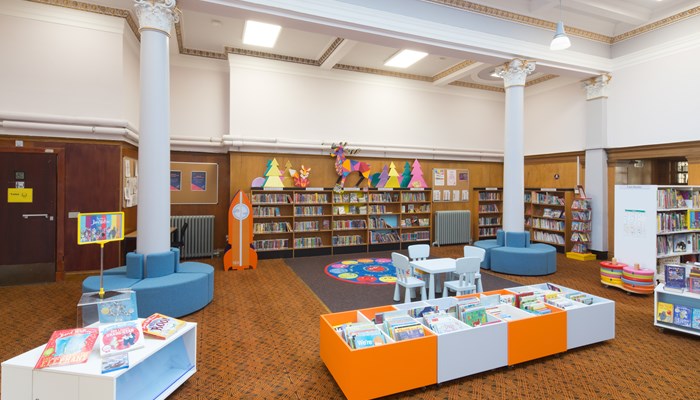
(213, 28)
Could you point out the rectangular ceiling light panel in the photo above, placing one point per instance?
(260, 34)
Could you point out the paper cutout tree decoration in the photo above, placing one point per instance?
(374, 179)
(288, 174)
(406, 176)
(393, 181)
(383, 177)
(273, 175)
(417, 180)
(301, 177)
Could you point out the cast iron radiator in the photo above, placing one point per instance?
(199, 237)
(452, 227)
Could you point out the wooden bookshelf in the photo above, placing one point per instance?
(548, 217)
(489, 212)
(293, 222)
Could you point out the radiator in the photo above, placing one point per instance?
(452, 227)
(199, 237)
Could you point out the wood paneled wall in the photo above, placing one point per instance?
(555, 170)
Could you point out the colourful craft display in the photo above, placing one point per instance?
(345, 166)
(417, 180)
(273, 175)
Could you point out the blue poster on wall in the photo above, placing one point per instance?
(175, 180)
(198, 181)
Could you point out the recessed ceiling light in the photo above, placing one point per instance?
(260, 34)
(405, 58)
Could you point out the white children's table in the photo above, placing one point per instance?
(435, 266)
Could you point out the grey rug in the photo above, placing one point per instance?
(343, 296)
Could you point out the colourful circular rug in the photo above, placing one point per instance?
(368, 271)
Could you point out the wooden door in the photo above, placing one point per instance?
(28, 182)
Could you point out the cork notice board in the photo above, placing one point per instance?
(450, 184)
(194, 183)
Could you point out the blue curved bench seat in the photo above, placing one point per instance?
(489, 244)
(163, 285)
(536, 259)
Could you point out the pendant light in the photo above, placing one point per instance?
(560, 41)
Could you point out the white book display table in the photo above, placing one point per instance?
(154, 372)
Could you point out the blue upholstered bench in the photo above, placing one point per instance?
(512, 253)
(161, 284)
(489, 244)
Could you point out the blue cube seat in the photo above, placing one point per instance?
(489, 244)
(537, 259)
(199, 268)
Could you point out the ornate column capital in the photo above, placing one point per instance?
(515, 72)
(157, 15)
(597, 86)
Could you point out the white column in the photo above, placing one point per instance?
(597, 159)
(156, 18)
(514, 74)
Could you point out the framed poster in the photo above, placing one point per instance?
(196, 183)
(100, 227)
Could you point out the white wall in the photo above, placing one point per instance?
(132, 82)
(655, 102)
(555, 119)
(199, 97)
(60, 62)
(281, 100)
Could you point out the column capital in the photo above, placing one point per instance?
(597, 86)
(157, 15)
(515, 72)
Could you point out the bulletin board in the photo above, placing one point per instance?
(450, 185)
(130, 182)
(194, 183)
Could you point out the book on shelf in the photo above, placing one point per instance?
(161, 326)
(442, 323)
(115, 362)
(694, 284)
(664, 312)
(695, 321)
(682, 315)
(68, 346)
(120, 337)
(473, 316)
(682, 243)
(674, 277)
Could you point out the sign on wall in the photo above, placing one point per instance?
(194, 183)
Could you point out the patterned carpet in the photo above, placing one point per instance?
(259, 339)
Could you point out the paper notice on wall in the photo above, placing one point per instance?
(436, 195)
(438, 177)
(633, 223)
(455, 195)
(451, 177)
(465, 195)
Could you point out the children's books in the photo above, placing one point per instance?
(664, 312)
(68, 346)
(161, 326)
(674, 276)
(115, 362)
(682, 315)
(120, 337)
(695, 322)
(118, 310)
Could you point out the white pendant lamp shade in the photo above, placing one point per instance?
(560, 40)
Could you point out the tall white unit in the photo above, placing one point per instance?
(654, 225)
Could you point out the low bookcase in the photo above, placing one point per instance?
(154, 372)
(517, 336)
(687, 300)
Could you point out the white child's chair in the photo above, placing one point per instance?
(405, 278)
(473, 251)
(467, 268)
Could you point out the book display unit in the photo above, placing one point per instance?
(581, 229)
(657, 225)
(678, 310)
(489, 212)
(548, 217)
(319, 221)
(510, 326)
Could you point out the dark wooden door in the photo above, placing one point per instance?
(28, 239)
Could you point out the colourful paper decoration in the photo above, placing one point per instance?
(273, 175)
(393, 181)
(383, 177)
(287, 175)
(344, 166)
(406, 176)
(417, 180)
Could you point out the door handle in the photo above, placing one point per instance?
(27, 216)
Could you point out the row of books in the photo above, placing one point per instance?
(377, 209)
(678, 243)
(272, 227)
(349, 240)
(579, 248)
(581, 215)
(552, 213)
(580, 204)
(349, 210)
(548, 237)
(546, 198)
(311, 198)
(488, 208)
(409, 222)
(671, 221)
(307, 242)
(379, 223)
(383, 197)
(413, 196)
(489, 231)
(547, 224)
(266, 212)
(581, 226)
(489, 220)
(415, 236)
(359, 335)
(308, 210)
(349, 224)
(489, 196)
(678, 314)
(580, 237)
(679, 277)
(349, 198)
(310, 226)
(411, 208)
(677, 198)
(271, 244)
(271, 198)
(384, 237)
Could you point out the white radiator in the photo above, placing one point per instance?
(199, 237)
(452, 227)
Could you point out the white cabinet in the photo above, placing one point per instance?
(154, 372)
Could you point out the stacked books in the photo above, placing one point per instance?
(403, 327)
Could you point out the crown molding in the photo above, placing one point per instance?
(66, 15)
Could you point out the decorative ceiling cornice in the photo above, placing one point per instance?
(478, 86)
(453, 69)
(334, 45)
(540, 23)
(382, 72)
(543, 78)
(93, 8)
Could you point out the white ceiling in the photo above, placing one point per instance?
(216, 26)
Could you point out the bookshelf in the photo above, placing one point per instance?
(319, 221)
(581, 228)
(489, 212)
(657, 225)
(548, 217)
(680, 302)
